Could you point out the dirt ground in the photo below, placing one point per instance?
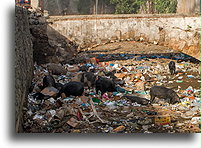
(132, 47)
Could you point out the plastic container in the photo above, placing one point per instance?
(164, 120)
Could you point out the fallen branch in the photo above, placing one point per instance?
(95, 112)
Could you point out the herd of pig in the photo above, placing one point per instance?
(108, 83)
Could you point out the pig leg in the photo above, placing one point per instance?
(152, 98)
(171, 72)
(174, 71)
(169, 101)
(89, 85)
(97, 89)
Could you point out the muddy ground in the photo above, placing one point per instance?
(141, 66)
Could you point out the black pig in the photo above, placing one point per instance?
(172, 67)
(48, 81)
(164, 93)
(73, 88)
(59, 87)
(88, 79)
(110, 74)
(104, 85)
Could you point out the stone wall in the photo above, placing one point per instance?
(51, 48)
(23, 63)
(176, 31)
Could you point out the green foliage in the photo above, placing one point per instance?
(166, 6)
(126, 6)
(133, 6)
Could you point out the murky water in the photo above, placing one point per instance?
(174, 56)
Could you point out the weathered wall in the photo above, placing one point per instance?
(175, 31)
(34, 4)
(188, 6)
(23, 63)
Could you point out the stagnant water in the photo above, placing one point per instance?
(174, 56)
(103, 57)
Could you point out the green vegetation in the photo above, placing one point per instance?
(166, 6)
(129, 6)
(126, 6)
(133, 6)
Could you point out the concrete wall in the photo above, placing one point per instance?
(23, 63)
(188, 6)
(175, 31)
(35, 4)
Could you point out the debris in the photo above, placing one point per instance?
(140, 85)
(76, 131)
(179, 81)
(145, 121)
(96, 100)
(60, 114)
(105, 96)
(94, 61)
(137, 99)
(95, 112)
(163, 120)
(119, 129)
(49, 91)
(73, 68)
(73, 122)
(127, 108)
(190, 76)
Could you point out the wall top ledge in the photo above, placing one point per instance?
(117, 16)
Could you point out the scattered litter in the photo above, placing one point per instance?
(73, 122)
(119, 129)
(128, 108)
(190, 76)
(162, 120)
(49, 91)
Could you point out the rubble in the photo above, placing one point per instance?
(127, 109)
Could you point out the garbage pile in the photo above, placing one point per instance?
(114, 97)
